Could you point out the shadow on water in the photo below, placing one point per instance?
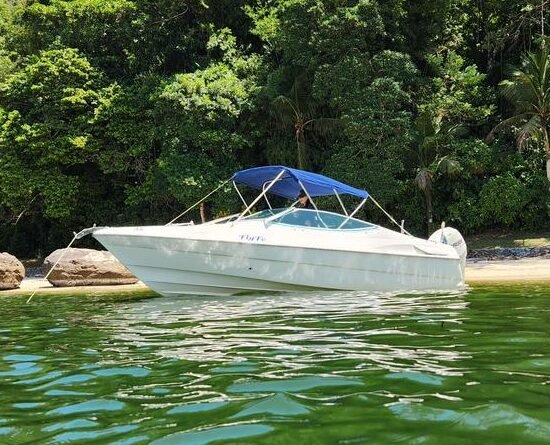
(325, 367)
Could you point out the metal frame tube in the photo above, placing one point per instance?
(265, 197)
(308, 197)
(340, 201)
(197, 203)
(361, 204)
(239, 193)
(312, 203)
(388, 215)
(260, 195)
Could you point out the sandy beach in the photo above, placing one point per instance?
(508, 271)
(526, 270)
(42, 286)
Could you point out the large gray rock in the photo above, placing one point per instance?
(86, 267)
(12, 271)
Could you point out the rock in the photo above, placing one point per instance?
(12, 271)
(509, 253)
(86, 267)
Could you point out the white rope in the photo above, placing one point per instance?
(197, 203)
(76, 236)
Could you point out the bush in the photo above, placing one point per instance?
(502, 200)
(464, 214)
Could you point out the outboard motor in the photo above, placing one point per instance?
(452, 237)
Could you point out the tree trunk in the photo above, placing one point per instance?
(301, 142)
(429, 213)
(205, 212)
(547, 151)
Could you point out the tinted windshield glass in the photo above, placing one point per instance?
(264, 214)
(322, 220)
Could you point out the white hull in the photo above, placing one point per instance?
(220, 260)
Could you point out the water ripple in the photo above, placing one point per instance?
(342, 367)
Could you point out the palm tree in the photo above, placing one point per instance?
(528, 90)
(297, 111)
(430, 160)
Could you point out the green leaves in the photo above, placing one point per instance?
(377, 126)
(117, 111)
(198, 116)
(502, 199)
(215, 92)
(46, 129)
(458, 91)
(528, 90)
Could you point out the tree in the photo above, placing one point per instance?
(298, 111)
(47, 142)
(372, 97)
(198, 117)
(430, 158)
(454, 104)
(6, 30)
(500, 30)
(528, 90)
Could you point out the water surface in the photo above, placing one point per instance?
(322, 368)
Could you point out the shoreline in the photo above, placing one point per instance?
(523, 270)
(482, 272)
(43, 287)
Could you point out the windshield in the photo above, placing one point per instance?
(321, 220)
(265, 214)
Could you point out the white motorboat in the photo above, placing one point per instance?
(286, 249)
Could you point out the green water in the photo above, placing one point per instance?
(328, 368)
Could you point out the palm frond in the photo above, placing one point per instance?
(429, 124)
(449, 166)
(300, 92)
(284, 112)
(424, 178)
(519, 91)
(324, 126)
(508, 123)
(531, 129)
(285, 105)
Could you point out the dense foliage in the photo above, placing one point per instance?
(127, 111)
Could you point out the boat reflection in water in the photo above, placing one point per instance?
(295, 333)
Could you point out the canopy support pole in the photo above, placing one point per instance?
(389, 216)
(265, 197)
(239, 193)
(261, 195)
(361, 204)
(198, 202)
(307, 194)
(312, 203)
(340, 201)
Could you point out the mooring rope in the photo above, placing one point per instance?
(76, 236)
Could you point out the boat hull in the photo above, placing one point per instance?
(173, 265)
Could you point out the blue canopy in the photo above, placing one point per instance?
(288, 185)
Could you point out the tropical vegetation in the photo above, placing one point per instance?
(128, 111)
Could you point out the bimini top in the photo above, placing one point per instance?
(292, 181)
